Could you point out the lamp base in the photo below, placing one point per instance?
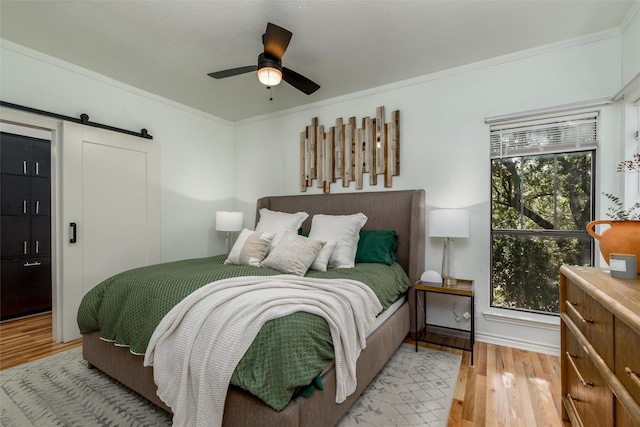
(448, 281)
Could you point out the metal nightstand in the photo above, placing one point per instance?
(464, 288)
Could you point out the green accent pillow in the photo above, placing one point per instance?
(377, 246)
(303, 232)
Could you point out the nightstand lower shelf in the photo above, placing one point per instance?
(463, 289)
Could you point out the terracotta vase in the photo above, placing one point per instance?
(623, 237)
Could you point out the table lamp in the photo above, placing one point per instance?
(229, 222)
(448, 223)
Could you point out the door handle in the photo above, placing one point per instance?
(37, 206)
(37, 169)
(24, 206)
(73, 230)
(25, 247)
(32, 264)
(24, 167)
(37, 246)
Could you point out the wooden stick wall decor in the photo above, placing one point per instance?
(346, 152)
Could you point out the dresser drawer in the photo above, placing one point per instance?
(586, 390)
(624, 418)
(628, 358)
(594, 321)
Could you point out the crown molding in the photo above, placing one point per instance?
(438, 75)
(56, 62)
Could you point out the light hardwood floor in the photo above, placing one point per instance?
(29, 339)
(505, 387)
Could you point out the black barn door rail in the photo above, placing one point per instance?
(83, 120)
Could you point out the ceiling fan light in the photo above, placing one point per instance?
(269, 76)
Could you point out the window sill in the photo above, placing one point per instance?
(540, 321)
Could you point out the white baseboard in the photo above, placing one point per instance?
(519, 344)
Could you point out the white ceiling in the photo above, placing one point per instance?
(168, 47)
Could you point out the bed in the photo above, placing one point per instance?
(401, 211)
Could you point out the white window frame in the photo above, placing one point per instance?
(516, 136)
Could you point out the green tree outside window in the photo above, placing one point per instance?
(540, 207)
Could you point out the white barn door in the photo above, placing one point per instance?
(110, 211)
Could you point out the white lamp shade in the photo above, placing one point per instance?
(449, 223)
(269, 76)
(229, 221)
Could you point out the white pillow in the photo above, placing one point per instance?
(344, 229)
(250, 248)
(322, 260)
(280, 221)
(294, 254)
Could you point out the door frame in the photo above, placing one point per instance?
(35, 121)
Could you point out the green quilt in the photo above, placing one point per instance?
(288, 353)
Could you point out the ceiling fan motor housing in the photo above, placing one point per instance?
(265, 60)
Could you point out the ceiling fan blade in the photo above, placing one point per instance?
(233, 72)
(275, 40)
(299, 81)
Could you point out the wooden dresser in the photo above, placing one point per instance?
(600, 348)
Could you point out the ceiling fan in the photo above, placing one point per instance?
(269, 68)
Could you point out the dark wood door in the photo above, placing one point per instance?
(41, 159)
(40, 197)
(15, 155)
(40, 236)
(23, 155)
(26, 286)
(16, 236)
(16, 194)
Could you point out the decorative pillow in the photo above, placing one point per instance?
(250, 248)
(377, 246)
(344, 229)
(322, 260)
(303, 232)
(294, 254)
(280, 221)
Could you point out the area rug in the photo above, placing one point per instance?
(413, 389)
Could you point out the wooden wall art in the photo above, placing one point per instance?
(347, 152)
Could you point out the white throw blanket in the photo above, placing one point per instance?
(197, 345)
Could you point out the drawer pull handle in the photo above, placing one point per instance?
(570, 358)
(24, 206)
(31, 264)
(571, 399)
(24, 167)
(635, 377)
(575, 312)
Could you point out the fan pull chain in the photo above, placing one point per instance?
(270, 93)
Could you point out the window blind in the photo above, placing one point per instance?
(549, 135)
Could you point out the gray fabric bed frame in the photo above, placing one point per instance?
(402, 211)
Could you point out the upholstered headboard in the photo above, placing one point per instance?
(402, 211)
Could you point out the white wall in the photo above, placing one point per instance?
(631, 45)
(196, 148)
(630, 116)
(445, 149)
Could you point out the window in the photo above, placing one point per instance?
(542, 195)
